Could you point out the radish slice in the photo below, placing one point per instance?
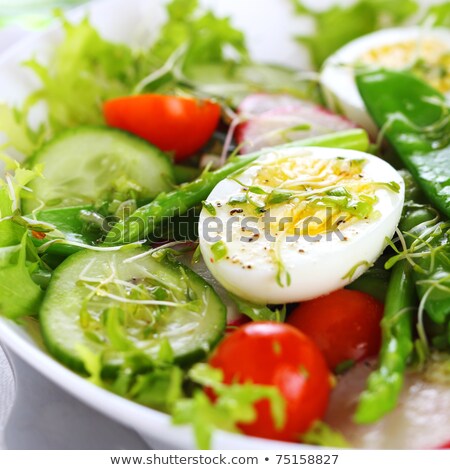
(274, 120)
(259, 103)
(420, 421)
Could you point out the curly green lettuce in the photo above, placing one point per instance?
(19, 294)
(320, 434)
(209, 39)
(259, 312)
(234, 404)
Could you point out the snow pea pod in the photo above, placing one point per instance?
(415, 120)
(69, 224)
(427, 240)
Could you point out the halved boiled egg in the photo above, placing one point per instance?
(299, 223)
(424, 51)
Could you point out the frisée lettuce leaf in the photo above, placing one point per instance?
(234, 404)
(209, 39)
(19, 135)
(19, 294)
(321, 434)
(84, 71)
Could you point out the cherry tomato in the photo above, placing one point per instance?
(175, 124)
(276, 354)
(345, 325)
(444, 446)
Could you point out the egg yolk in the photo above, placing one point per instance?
(429, 59)
(333, 191)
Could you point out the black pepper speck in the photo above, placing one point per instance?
(236, 211)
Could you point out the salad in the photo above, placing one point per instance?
(244, 246)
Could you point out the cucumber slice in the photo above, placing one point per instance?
(86, 165)
(96, 300)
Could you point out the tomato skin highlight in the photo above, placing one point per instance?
(181, 125)
(345, 325)
(277, 354)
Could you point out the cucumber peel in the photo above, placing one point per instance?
(115, 302)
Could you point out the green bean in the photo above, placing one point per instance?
(385, 383)
(144, 221)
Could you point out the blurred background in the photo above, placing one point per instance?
(17, 17)
(33, 13)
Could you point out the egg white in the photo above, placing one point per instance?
(315, 267)
(337, 76)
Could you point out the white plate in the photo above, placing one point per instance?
(135, 22)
